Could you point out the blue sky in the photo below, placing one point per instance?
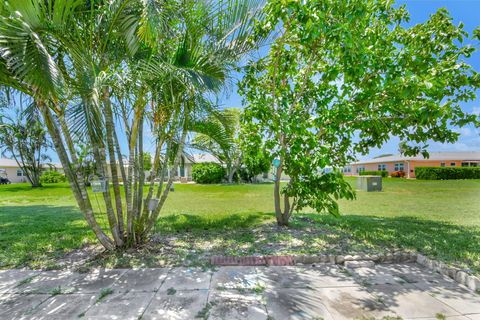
(465, 11)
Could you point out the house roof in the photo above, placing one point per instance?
(10, 163)
(466, 156)
(201, 158)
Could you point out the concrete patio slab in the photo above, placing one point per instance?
(234, 278)
(177, 305)
(9, 279)
(48, 282)
(123, 305)
(96, 280)
(187, 279)
(60, 307)
(462, 300)
(303, 292)
(322, 276)
(407, 301)
(140, 280)
(376, 275)
(18, 306)
(353, 303)
(295, 304)
(421, 277)
(235, 305)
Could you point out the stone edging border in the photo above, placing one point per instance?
(356, 261)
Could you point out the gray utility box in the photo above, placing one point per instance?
(369, 183)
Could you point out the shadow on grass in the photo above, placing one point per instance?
(193, 222)
(448, 242)
(31, 235)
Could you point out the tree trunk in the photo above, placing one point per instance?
(282, 217)
(109, 125)
(76, 186)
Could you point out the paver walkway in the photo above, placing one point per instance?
(325, 291)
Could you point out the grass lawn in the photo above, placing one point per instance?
(438, 218)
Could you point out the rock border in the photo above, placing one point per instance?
(460, 276)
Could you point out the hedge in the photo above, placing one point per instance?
(447, 173)
(208, 172)
(382, 173)
(52, 176)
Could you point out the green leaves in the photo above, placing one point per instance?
(346, 76)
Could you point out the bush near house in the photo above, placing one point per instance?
(398, 174)
(382, 173)
(447, 173)
(52, 176)
(208, 172)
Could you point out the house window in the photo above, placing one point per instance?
(452, 164)
(399, 166)
(360, 169)
(442, 164)
(465, 164)
(382, 167)
(19, 173)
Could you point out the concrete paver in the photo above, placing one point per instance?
(48, 282)
(187, 279)
(122, 305)
(407, 301)
(177, 305)
(297, 292)
(236, 305)
(18, 306)
(321, 276)
(96, 280)
(140, 280)
(64, 306)
(352, 303)
(295, 304)
(235, 278)
(9, 279)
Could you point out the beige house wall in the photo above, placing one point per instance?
(409, 166)
(12, 175)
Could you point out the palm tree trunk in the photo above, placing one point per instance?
(76, 186)
(109, 125)
(154, 216)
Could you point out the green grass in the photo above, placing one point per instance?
(438, 218)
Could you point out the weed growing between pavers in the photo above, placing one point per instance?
(171, 291)
(26, 281)
(103, 293)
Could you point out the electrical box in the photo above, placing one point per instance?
(369, 183)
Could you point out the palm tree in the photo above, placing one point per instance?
(217, 134)
(101, 70)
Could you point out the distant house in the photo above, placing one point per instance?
(184, 171)
(398, 162)
(11, 170)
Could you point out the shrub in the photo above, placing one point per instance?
(208, 172)
(382, 173)
(52, 176)
(447, 173)
(398, 174)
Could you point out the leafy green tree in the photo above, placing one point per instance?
(343, 77)
(147, 161)
(24, 139)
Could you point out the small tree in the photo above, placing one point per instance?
(343, 77)
(24, 138)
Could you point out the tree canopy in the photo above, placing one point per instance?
(343, 77)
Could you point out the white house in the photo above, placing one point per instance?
(10, 169)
